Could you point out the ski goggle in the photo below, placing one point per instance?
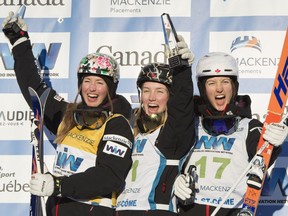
(220, 125)
(90, 118)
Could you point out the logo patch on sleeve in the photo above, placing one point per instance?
(115, 149)
(118, 138)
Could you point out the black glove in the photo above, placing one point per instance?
(15, 29)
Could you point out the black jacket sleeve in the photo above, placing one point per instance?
(110, 171)
(27, 75)
(178, 133)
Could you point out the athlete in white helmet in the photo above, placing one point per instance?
(227, 139)
(94, 128)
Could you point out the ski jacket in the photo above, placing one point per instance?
(157, 156)
(219, 161)
(96, 170)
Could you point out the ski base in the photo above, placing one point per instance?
(276, 107)
(37, 204)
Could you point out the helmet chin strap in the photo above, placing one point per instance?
(148, 123)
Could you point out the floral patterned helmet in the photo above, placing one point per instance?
(99, 64)
(155, 72)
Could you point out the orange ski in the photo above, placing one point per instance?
(275, 111)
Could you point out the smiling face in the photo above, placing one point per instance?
(219, 91)
(94, 90)
(154, 97)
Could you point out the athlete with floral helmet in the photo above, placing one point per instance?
(93, 137)
(99, 64)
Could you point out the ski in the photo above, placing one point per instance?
(275, 111)
(37, 204)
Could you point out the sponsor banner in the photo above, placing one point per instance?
(257, 56)
(259, 105)
(38, 8)
(132, 98)
(15, 117)
(275, 187)
(15, 174)
(14, 209)
(131, 31)
(139, 8)
(51, 51)
(242, 8)
(143, 48)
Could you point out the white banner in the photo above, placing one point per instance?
(64, 31)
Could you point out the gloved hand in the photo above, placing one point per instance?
(42, 184)
(184, 51)
(15, 29)
(256, 173)
(45, 184)
(275, 133)
(257, 167)
(181, 187)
